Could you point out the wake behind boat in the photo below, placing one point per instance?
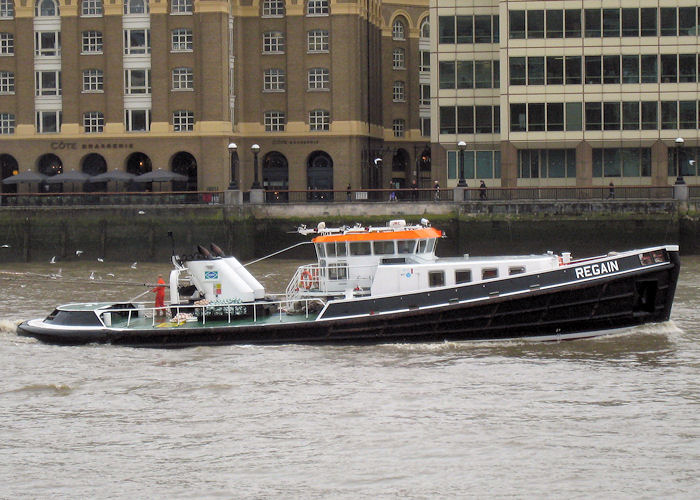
(383, 284)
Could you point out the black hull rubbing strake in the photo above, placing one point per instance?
(572, 310)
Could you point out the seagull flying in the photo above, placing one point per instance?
(53, 260)
(78, 252)
(141, 212)
(100, 259)
(133, 266)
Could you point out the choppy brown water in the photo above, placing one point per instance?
(614, 417)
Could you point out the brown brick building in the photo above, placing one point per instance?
(324, 87)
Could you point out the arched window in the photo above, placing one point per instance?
(275, 174)
(319, 175)
(425, 29)
(46, 8)
(135, 6)
(7, 9)
(186, 164)
(398, 30)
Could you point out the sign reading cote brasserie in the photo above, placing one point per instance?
(64, 145)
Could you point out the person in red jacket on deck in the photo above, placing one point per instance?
(160, 296)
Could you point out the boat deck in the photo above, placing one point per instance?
(149, 323)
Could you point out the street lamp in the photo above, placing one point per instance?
(233, 158)
(255, 149)
(462, 146)
(679, 146)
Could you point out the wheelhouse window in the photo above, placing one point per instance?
(336, 249)
(406, 246)
(360, 248)
(436, 278)
(489, 273)
(320, 250)
(337, 272)
(384, 248)
(463, 276)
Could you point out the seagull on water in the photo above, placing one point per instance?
(78, 252)
(92, 275)
(110, 274)
(100, 259)
(133, 266)
(141, 212)
(53, 260)
(5, 246)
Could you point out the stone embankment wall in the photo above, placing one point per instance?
(141, 233)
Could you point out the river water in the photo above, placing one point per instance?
(613, 417)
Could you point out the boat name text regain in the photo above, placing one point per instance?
(597, 269)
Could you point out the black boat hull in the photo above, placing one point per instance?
(566, 310)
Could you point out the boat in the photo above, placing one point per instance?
(385, 284)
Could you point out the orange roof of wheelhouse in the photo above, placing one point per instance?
(412, 234)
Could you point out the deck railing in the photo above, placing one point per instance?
(444, 195)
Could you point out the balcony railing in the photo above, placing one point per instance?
(471, 195)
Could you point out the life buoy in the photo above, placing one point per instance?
(306, 280)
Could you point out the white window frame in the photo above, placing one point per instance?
(318, 79)
(7, 123)
(274, 80)
(398, 91)
(183, 121)
(182, 79)
(317, 7)
(46, 8)
(7, 82)
(181, 7)
(7, 44)
(47, 43)
(39, 81)
(181, 40)
(273, 42)
(91, 8)
(399, 127)
(275, 121)
(91, 42)
(130, 48)
(93, 122)
(398, 58)
(130, 88)
(319, 120)
(424, 66)
(317, 41)
(40, 122)
(424, 99)
(136, 7)
(7, 10)
(129, 119)
(273, 8)
(425, 29)
(398, 30)
(93, 81)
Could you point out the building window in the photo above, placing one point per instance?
(273, 42)
(47, 83)
(622, 162)
(318, 79)
(7, 44)
(135, 7)
(91, 8)
(47, 43)
(183, 121)
(181, 6)
(137, 120)
(399, 91)
(46, 8)
(93, 80)
(183, 79)
(274, 80)
(92, 42)
(317, 7)
(48, 122)
(137, 41)
(317, 41)
(398, 31)
(137, 81)
(546, 163)
(399, 127)
(7, 82)
(424, 95)
(7, 9)
(273, 8)
(425, 29)
(181, 40)
(425, 127)
(424, 61)
(274, 121)
(7, 123)
(399, 59)
(319, 120)
(477, 164)
(93, 122)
